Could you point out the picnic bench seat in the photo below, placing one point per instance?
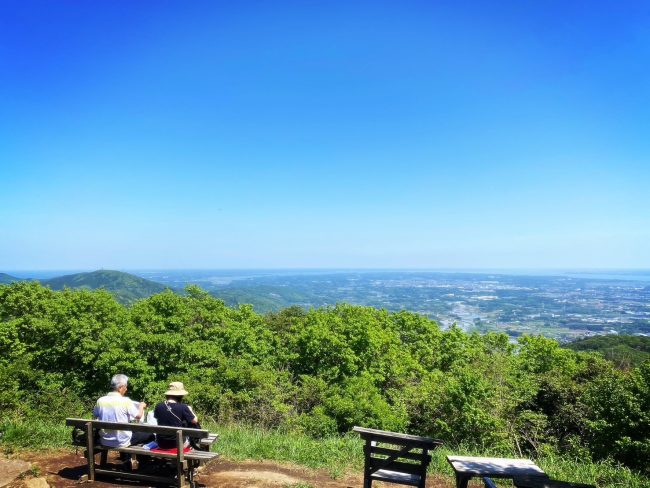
(186, 463)
(404, 462)
(537, 482)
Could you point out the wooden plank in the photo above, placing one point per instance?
(397, 477)
(135, 476)
(208, 441)
(416, 456)
(160, 429)
(386, 436)
(195, 455)
(376, 465)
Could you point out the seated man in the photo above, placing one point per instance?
(115, 407)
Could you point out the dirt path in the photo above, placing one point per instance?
(62, 469)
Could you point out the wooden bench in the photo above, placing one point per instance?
(186, 463)
(405, 462)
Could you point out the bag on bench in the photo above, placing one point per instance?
(80, 437)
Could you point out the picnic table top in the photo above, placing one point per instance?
(496, 467)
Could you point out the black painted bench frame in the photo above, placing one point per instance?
(401, 463)
(186, 463)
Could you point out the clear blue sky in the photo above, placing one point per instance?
(324, 134)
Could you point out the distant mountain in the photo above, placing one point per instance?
(126, 287)
(624, 350)
(5, 278)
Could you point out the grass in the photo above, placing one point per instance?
(336, 455)
(33, 434)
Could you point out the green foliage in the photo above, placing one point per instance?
(626, 351)
(320, 372)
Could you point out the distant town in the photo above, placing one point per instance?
(565, 306)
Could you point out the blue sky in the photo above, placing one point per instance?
(324, 134)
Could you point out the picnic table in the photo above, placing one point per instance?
(467, 467)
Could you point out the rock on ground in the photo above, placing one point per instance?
(36, 483)
(10, 469)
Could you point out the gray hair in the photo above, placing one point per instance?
(119, 380)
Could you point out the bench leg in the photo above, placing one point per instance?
(367, 481)
(462, 480)
(191, 469)
(103, 458)
(90, 450)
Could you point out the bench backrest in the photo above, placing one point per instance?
(156, 429)
(393, 451)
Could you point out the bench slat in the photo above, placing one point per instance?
(396, 477)
(133, 476)
(161, 429)
(407, 455)
(385, 436)
(378, 464)
(196, 455)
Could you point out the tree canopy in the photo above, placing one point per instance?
(320, 371)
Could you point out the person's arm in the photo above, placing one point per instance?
(141, 408)
(191, 416)
(133, 411)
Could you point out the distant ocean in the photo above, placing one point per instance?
(642, 275)
(631, 276)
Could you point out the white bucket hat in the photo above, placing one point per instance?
(176, 388)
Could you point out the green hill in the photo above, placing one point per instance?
(126, 287)
(5, 278)
(625, 351)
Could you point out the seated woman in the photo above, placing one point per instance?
(174, 413)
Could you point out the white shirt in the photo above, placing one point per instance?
(115, 408)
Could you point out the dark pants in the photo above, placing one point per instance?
(137, 438)
(141, 438)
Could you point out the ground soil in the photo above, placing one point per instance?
(62, 469)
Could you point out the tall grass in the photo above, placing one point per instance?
(336, 455)
(33, 434)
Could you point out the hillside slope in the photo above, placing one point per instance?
(124, 286)
(624, 350)
(5, 278)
